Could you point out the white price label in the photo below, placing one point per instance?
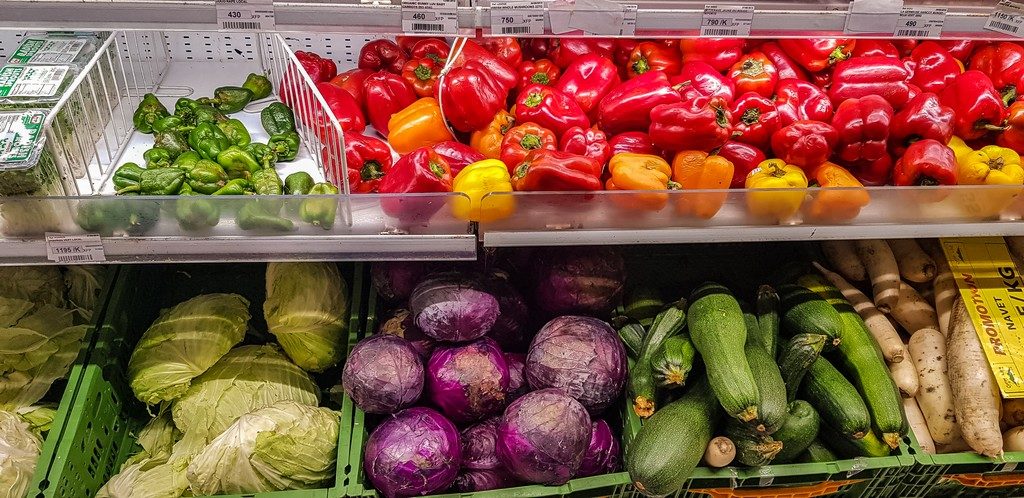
(628, 19)
(435, 17)
(74, 249)
(1008, 18)
(245, 15)
(517, 17)
(918, 22)
(873, 16)
(727, 20)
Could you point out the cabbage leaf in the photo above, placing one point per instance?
(19, 451)
(84, 285)
(307, 310)
(38, 284)
(37, 349)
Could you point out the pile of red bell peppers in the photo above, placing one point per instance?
(556, 111)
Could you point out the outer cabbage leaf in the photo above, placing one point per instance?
(19, 450)
(156, 477)
(84, 285)
(39, 418)
(183, 342)
(38, 284)
(157, 440)
(39, 349)
(307, 310)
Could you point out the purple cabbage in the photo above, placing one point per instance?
(517, 385)
(453, 307)
(468, 381)
(602, 457)
(581, 355)
(399, 323)
(513, 316)
(543, 436)
(478, 443)
(469, 481)
(383, 374)
(395, 280)
(413, 452)
(578, 280)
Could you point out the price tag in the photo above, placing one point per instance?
(628, 19)
(245, 15)
(873, 16)
(727, 20)
(435, 17)
(918, 22)
(1008, 18)
(517, 17)
(74, 249)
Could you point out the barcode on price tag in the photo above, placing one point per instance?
(917, 22)
(517, 17)
(74, 249)
(245, 15)
(1008, 18)
(435, 17)
(727, 20)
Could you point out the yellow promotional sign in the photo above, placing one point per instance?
(993, 291)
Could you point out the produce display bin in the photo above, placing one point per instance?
(98, 430)
(963, 475)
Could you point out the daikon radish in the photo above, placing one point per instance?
(1013, 439)
(944, 285)
(880, 263)
(1013, 412)
(885, 335)
(904, 374)
(912, 312)
(934, 398)
(918, 425)
(914, 264)
(842, 256)
(721, 452)
(976, 398)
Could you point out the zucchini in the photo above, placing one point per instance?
(668, 323)
(836, 400)
(667, 449)
(796, 358)
(673, 361)
(718, 332)
(861, 360)
(631, 333)
(642, 303)
(817, 452)
(752, 449)
(868, 446)
(772, 409)
(642, 388)
(805, 312)
(768, 318)
(799, 431)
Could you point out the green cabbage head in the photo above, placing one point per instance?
(38, 345)
(19, 451)
(39, 284)
(84, 284)
(307, 310)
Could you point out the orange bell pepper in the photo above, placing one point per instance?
(487, 140)
(842, 198)
(418, 125)
(696, 170)
(631, 171)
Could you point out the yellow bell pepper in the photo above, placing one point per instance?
(418, 125)
(990, 165)
(775, 204)
(476, 181)
(960, 149)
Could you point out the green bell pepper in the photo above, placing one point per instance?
(206, 177)
(298, 183)
(235, 131)
(262, 154)
(238, 186)
(127, 175)
(277, 118)
(237, 162)
(185, 108)
(267, 182)
(157, 157)
(285, 145)
(148, 112)
(207, 114)
(253, 216)
(194, 211)
(187, 160)
(320, 212)
(208, 140)
(161, 181)
(106, 215)
(171, 123)
(259, 85)
(172, 140)
(229, 99)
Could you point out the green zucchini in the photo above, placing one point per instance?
(631, 333)
(666, 450)
(718, 332)
(817, 452)
(805, 312)
(861, 360)
(642, 388)
(799, 431)
(835, 398)
(768, 318)
(752, 449)
(668, 323)
(642, 303)
(796, 357)
(868, 446)
(772, 409)
(673, 361)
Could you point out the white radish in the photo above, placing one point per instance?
(842, 255)
(904, 374)
(918, 425)
(957, 446)
(1013, 412)
(914, 264)
(944, 285)
(1013, 439)
(879, 326)
(935, 399)
(912, 312)
(885, 275)
(721, 452)
(976, 398)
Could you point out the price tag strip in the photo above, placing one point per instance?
(993, 291)
(245, 15)
(919, 22)
(74, 249)
(1008, 18)
(516, 17)
(727, 20)
(433, 17)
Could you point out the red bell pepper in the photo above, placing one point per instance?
(319, 68)
(352, 82)
(870, 47)
(386, 94)
(817, 54)
(1013, 137)
(522, 139)
(651, 56)
(700, 124)
(703, 78)
(505, 48)
(369, 160)
(407, 43)
(541, 72)
(799, 100)
(638, 142)
(420, 171)
(863, 125)
(976, 104)
(345, 109)
(962, 49)
(549, 108)
(863, 76)
(754, 72)
(932, 66)
(806, 144)
(923, 117)
(535, 48)
(1003, 62)
(872, 173)
(435, 48)
(744, 158)
(755, 119)
(719, 53)
(382, 55)
(421, 75)
(471, 96)
(566, 50)
(784, 64)
(628, 106)
(926, 162)
(457, 154)
(905, 46)
(587, 79)
(624, 49)
(555, 171)
(589, 142)
(505, 75)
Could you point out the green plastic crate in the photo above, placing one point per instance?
(964, 474)
(98, 430)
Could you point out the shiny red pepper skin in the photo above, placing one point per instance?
(407, 43)
(505, 75)
(549, 108)
(638, 142)
(541, 72)
(505, 48)
(1003, 62)
(535, 48)
(754, 73)
(977, 105)
(755, 119)
(382, 55)
(883, 76)
(703, 123)
(871, 47)
(471, 96)
(587, 79)
(433, 48)
(555, 171)
(806, 144)
(651, 56)
(345, 108)
(369, 160)
(352, 82)
(628, 106)
(524, 138)
(386, 94)
(719, 53)
(421, 170)
(933, 67)
(744, 158)
(1013, 137)
(318, 68)
(799, 100)
(872, 173)
(817, 54)
(566, 50)
(905, 46)
(784, 64)
(589, 142)
(457, 154)
(703, 78)
(923, 117)
(863, 125)
(962, 49)
(926, 162)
